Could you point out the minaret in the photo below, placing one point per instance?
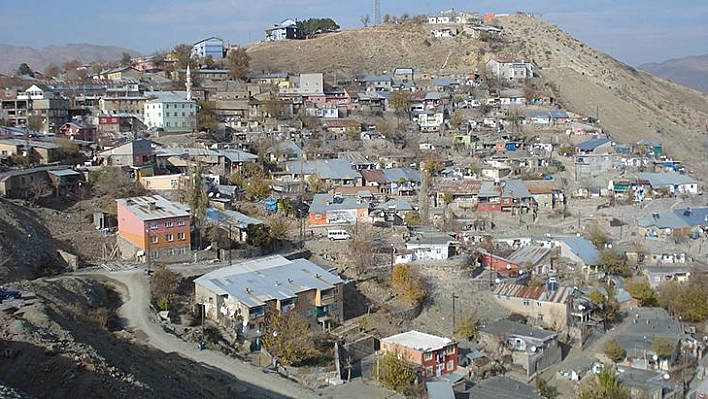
(188, 83)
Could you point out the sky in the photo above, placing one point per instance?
(633, 31)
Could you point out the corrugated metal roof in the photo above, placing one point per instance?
(529, 254)
(325, 202)
(256, 281)
(584, 249)
(541, 293)
(417, 340)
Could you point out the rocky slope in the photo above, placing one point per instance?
(631, 104)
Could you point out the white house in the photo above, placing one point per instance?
(510, 69)
(171, 113)
(673, 182)
(430, 122)
(429, 245)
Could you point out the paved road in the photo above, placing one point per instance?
(137, 312)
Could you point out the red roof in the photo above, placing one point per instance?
(374, 176)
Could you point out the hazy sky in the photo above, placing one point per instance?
(633, 31)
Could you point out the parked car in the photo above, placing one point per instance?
(9, 294)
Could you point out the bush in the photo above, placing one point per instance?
(615, 351)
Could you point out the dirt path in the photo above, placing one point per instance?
(136, 312)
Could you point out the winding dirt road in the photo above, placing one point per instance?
(136, 311)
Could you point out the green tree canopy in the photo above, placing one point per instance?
(311, 26)
(615, 351)
(605, 386)
(24, 69)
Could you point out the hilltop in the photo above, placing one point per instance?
(631, 104)
(688, 71)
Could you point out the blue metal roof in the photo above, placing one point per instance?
(584, 249)
(592, 144)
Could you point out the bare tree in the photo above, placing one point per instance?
(36, 189)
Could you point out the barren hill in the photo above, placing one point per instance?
(38, 59)
(631, 104)
(688, 71)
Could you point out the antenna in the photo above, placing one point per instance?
(377, 12)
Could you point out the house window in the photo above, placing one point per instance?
(527, 302)
(168, 223)
(180, 222)
(450, 365)
(450, 350)
(180, 236)
(153, 225)
(427, 356)
(429, 371)
(154, 254)
(169, 237)
(538, 304)
(153, 239)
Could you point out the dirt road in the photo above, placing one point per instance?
(136, 312)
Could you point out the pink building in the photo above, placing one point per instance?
(153, 229)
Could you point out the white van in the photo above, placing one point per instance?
(338, 235)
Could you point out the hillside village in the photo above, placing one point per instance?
(461, 234)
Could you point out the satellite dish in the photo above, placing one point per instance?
(655, 357)
(667, 376)
(533, 349)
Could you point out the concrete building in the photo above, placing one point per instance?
(242, 295)
(212, 46)
(533, 349)
(172, 113)
(153, 229)
(435, 356)
(544, 306)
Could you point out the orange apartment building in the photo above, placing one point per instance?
(153, 229)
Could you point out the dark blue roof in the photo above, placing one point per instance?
(592, 144)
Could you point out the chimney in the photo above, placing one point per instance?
(152, 206)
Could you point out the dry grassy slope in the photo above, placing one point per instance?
(373, 49)
(632, 105)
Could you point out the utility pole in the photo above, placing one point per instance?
(453, 312)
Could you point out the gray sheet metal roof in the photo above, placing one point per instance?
(234, 218)
(528, 253)
(238, 155)
(516, 188)
(592, 144)
(396, 204)
(324, 168)
(256, 281)
(584, 249)
(663, 220)
(395, 174)
(325, 202)
(665, 178)
(508, 327)
(503, 387)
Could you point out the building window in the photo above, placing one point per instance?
(153, 239)
(527, 302)
(427, 356)
(450, 365)
(169, 237)
(429, 371)
(153, 225)
(168, 223)
(450, 350)
(538, 304)
(154, 254)
(180, 222)
(180, 236)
